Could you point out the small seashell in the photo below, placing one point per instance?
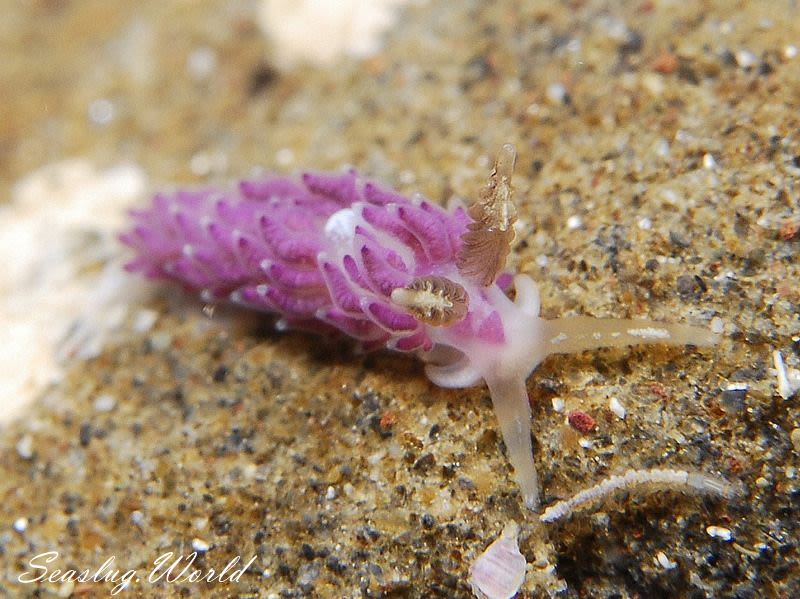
(500, 570)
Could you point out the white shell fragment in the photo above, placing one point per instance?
(500, 570)
(717, 325)
(25, 447)
(574, 222)
(20, 525)
(788, 378)
(616, 406)
(662, 560)
(719, 532)
(737, 387)
(104, 403)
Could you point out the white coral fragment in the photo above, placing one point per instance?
(500, 570)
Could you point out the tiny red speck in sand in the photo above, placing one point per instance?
(581, 421)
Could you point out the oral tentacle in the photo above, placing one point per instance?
(513, 410)
(573, 334)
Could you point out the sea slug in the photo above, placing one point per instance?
(338, 252)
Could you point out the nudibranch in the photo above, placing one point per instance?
(338, 252)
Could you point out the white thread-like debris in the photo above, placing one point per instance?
(649, 333)
(500, 570)
(634, 480)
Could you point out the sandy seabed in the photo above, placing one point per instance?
(658, 176)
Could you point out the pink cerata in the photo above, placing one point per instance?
(341, 252)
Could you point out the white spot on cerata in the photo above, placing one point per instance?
(340, 226)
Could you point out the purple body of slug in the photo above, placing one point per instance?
(330, 248)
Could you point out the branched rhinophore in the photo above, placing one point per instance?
(488, 239)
